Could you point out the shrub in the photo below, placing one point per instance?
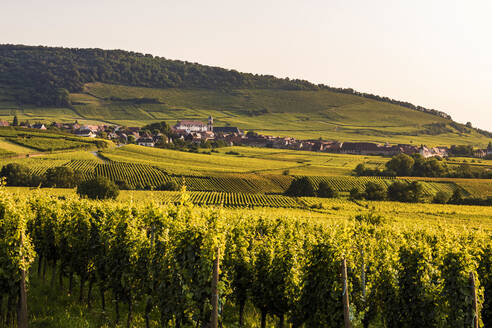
(441, 197)
(98, 188)
(326, 191)
(62, 177)
(16, 174)
(170, 186)
(405, 192)
(123, 185)
(301, 187)
(457, 197)
(374, 191)
(355, 193)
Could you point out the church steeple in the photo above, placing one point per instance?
(210, 125)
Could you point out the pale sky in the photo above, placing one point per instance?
(434, 53)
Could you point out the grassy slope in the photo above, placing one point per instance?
(250, 160)
(15, 148)
(301, 114)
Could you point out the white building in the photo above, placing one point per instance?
(85, 133)
(191, 126)
(433, 152)
(147, 142)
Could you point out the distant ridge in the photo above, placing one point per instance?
(42, 74)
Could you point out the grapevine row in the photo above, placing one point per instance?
(288, 269)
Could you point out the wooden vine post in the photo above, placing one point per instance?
(345, 295)
(474, 300)
(214, 321)
(22, 307)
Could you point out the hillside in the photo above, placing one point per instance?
(93, 85)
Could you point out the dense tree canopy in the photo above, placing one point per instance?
(98, 188)
(46, 75)
(301, 187)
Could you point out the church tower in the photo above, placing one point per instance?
(210, 125)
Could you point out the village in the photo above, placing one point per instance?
(197, 132)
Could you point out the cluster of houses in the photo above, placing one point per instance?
(195, 131)
(355, 148)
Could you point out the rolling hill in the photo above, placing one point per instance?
(94, 85)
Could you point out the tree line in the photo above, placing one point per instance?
(416, 165)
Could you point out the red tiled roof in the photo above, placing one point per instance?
(185, 122)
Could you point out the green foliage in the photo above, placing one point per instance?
(300, 187)
(356, 193)
(461, 150)
(98, 188)
(456, 197)
(441, 197)
(456, 268)
(402, 164)
(16, 174)
(374, 191)
(405, 192)
(16, 250)
(326, 191)
(161, 127)
(370, 218)
(430, 167)
(62, 177)
(157, 261)
(170, 186)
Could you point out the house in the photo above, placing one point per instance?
(191, 126)
(147, 142)
(4, 123)
(433, 152)
(408, 149)
(360, 148)
(38, 126)
(480, 153)
(85, 133)
(112, 136)
(93, 128)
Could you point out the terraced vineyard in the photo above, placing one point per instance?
(346, 183)
(144, 176)
(37, 166)
(49, 144)
(473, 187)
(233, 199)
(136, 175)
(85, 167)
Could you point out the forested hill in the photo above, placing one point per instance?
(46, 75)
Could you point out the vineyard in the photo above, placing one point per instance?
(49, 144)
(154, 264)
(346, 183)
(232, 199)
(143, 176)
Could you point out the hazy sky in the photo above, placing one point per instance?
(434, 53)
